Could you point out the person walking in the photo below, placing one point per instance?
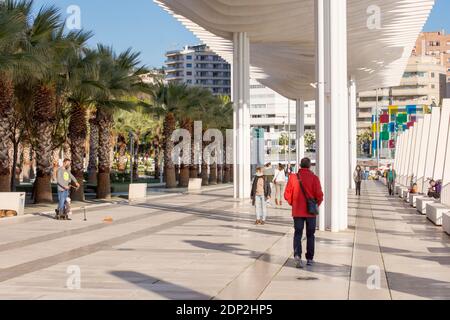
(64, 179)
(260, 194)
(302, 191)
(357, 177)
(279, 181)
(269, 174)
(391, 175)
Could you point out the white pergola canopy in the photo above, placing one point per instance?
(381, 36)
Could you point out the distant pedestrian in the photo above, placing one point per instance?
(279, 181)
(358, 177)
(390, 180)
(269, 174)
(304, 194)
(260, 194)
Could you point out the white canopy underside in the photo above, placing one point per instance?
(282, 38)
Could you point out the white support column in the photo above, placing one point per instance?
(352, 130)
(241, 99)
(300, 130)
(333, 156)
(320, 107)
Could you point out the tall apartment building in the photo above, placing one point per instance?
(270, 111)
(436, 44)
(199, 66)
(423, 84)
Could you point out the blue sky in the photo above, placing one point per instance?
(143, 25)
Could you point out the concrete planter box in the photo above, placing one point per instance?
(435, 211)
(446, 222)
(14, 201)
(404, 194)
(412, 198)
(421, 204)
(195, 184)
(137, 191)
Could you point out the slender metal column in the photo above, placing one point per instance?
(241, 118)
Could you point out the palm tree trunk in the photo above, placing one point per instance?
(205, 176)
(213, 174)
(136, 159)
(169, 168)
(93, 151)
(6, 112)
(186, 165)
(26, 163)
(77, 136)
(44, 117)
(105, 122)
(220, 174)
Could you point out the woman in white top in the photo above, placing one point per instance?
(279, 180)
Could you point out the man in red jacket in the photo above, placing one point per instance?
(295, 197)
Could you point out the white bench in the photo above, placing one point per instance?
(421, 204)
(412, 198)
(446, 222)
(137, 191)
(435, 211)
(195, 184)
(14, 201)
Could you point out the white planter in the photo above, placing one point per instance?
(195, 184)
(446, 222)
(421, 204)
(435, 211)
(13, 201)
(413, 199)
(137, 191)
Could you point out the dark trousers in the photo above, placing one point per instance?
(390, 185)
(358, 188)
(299, 224)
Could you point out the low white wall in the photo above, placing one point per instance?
(13, 201)
(195, 184)
(137, 191)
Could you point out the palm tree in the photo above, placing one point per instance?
(118, 77)
(170, 100)
(139, 124)
(81, 85)
(45, 38)
(13, 22)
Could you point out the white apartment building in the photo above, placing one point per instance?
(199, 66)
(423, 84)
(277, 116)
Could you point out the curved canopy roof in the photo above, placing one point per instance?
(282, 38)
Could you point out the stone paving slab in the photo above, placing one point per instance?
(205, 246)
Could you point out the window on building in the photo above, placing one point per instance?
(189, 73)
(189, 81)
(433, 86)
(432, 75)
(189, 65)
(189, 57)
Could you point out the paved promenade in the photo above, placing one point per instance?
(205, 246)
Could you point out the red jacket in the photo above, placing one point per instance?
(294, 195)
